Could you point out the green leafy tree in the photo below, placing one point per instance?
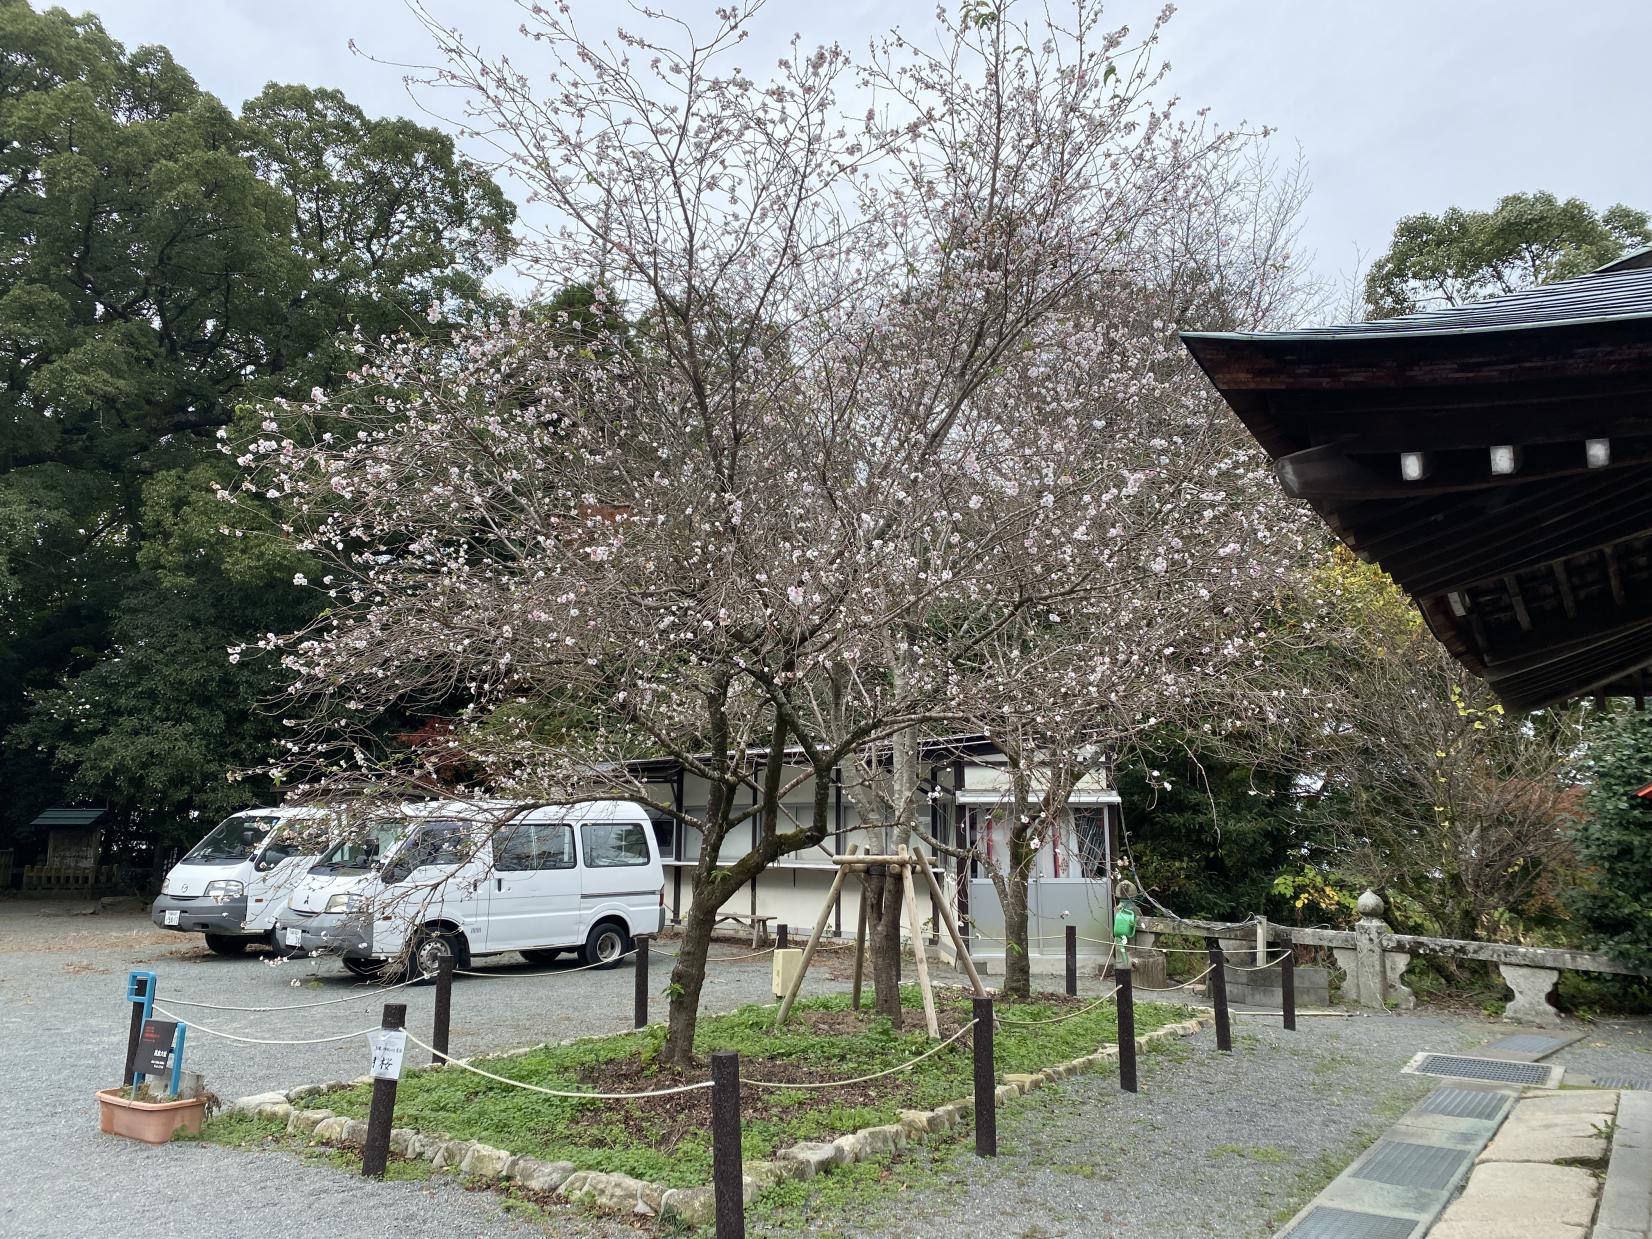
(162, 262)
(1209, 833)
(1461, 255)
(1613, 900)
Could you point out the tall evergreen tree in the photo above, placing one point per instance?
(164, 261)
(1614, 843)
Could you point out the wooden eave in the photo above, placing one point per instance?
(1538, 579)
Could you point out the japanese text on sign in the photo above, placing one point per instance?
(388, 1045)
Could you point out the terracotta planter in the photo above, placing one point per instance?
(152, 1122)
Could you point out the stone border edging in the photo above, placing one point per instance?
(619, 1193)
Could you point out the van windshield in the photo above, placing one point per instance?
(235, 838)
(360, 852)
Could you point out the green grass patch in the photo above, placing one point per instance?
(1252, 1153)
(668, 1140)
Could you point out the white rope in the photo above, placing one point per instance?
(1144, 989)
(554, 1092)
(906, 1066)
(1258, 967)
(713, 959)
(301, 1006)
(215, 1032)
(549, 972)
(1171, 950)
(1071, 1015)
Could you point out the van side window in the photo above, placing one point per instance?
(528, 846)
(608, 844)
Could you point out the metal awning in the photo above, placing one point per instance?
(1495, 459)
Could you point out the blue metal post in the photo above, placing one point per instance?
(177, 1059)
(140, 989)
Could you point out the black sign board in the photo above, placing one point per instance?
(155, 1047)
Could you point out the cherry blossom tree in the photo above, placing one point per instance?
(886, 409)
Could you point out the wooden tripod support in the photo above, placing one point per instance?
(905, 862)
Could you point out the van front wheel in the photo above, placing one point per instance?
(606, 944)
(429, 948)
(226, 944)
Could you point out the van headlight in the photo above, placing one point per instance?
(225, 889)
(345, 903)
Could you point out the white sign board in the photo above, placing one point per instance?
(388, 1046)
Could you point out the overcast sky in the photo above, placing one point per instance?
(1398, 105)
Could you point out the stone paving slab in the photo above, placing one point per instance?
(1529, 1047)
(1626, 1196)
(1530, 1135)
(1520, 1200)
(1634, 1127)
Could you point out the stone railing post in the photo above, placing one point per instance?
(1369, 977)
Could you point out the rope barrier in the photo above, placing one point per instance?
(1259, 967)
(300, 1006)
(549, 972)
(1143, 989)
(906, 1066)
(556, 1092)
(217, 1032)
(713, 959)
(1071, 1015)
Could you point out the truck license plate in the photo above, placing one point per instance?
(295, 937)
(171, 916)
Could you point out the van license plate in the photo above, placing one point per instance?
(295, 937)
(171, 915)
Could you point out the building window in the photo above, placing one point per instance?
(1090, 828)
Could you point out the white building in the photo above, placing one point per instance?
(969, 795)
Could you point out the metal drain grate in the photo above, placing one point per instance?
(1323, 1222)
(1400, 1163)
(1496, 1070)
(1633, 1083)
(1464, 1103)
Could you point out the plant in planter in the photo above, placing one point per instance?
(150, 1113)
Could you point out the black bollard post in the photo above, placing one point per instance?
(1072, 961)
(726, 1169)
(639, 997)
(134, 1033)
(1127, 1024)
(1219, 994)
(780, 942)
(443, 1009)
(1287, 989)
(986, 1083)
(375, 1151)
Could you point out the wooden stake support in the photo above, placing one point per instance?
(905, 862)
(919, 955)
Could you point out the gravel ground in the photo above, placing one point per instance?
(62, 1008)
(1212, 1145)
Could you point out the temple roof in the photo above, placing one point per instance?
(1495, 459)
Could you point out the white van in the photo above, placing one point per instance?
(466, 880)
(231, 885)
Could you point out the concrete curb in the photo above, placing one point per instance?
(618, 1193)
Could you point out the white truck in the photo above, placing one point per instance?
(463, 879)
(231, 884)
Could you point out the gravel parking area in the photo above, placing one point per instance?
(62, 986)
(1213, 1145)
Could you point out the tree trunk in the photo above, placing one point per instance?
(688, 977)
(1017, 962)
(883, 929)
(888, 907)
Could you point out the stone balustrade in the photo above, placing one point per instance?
(1374, 958)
